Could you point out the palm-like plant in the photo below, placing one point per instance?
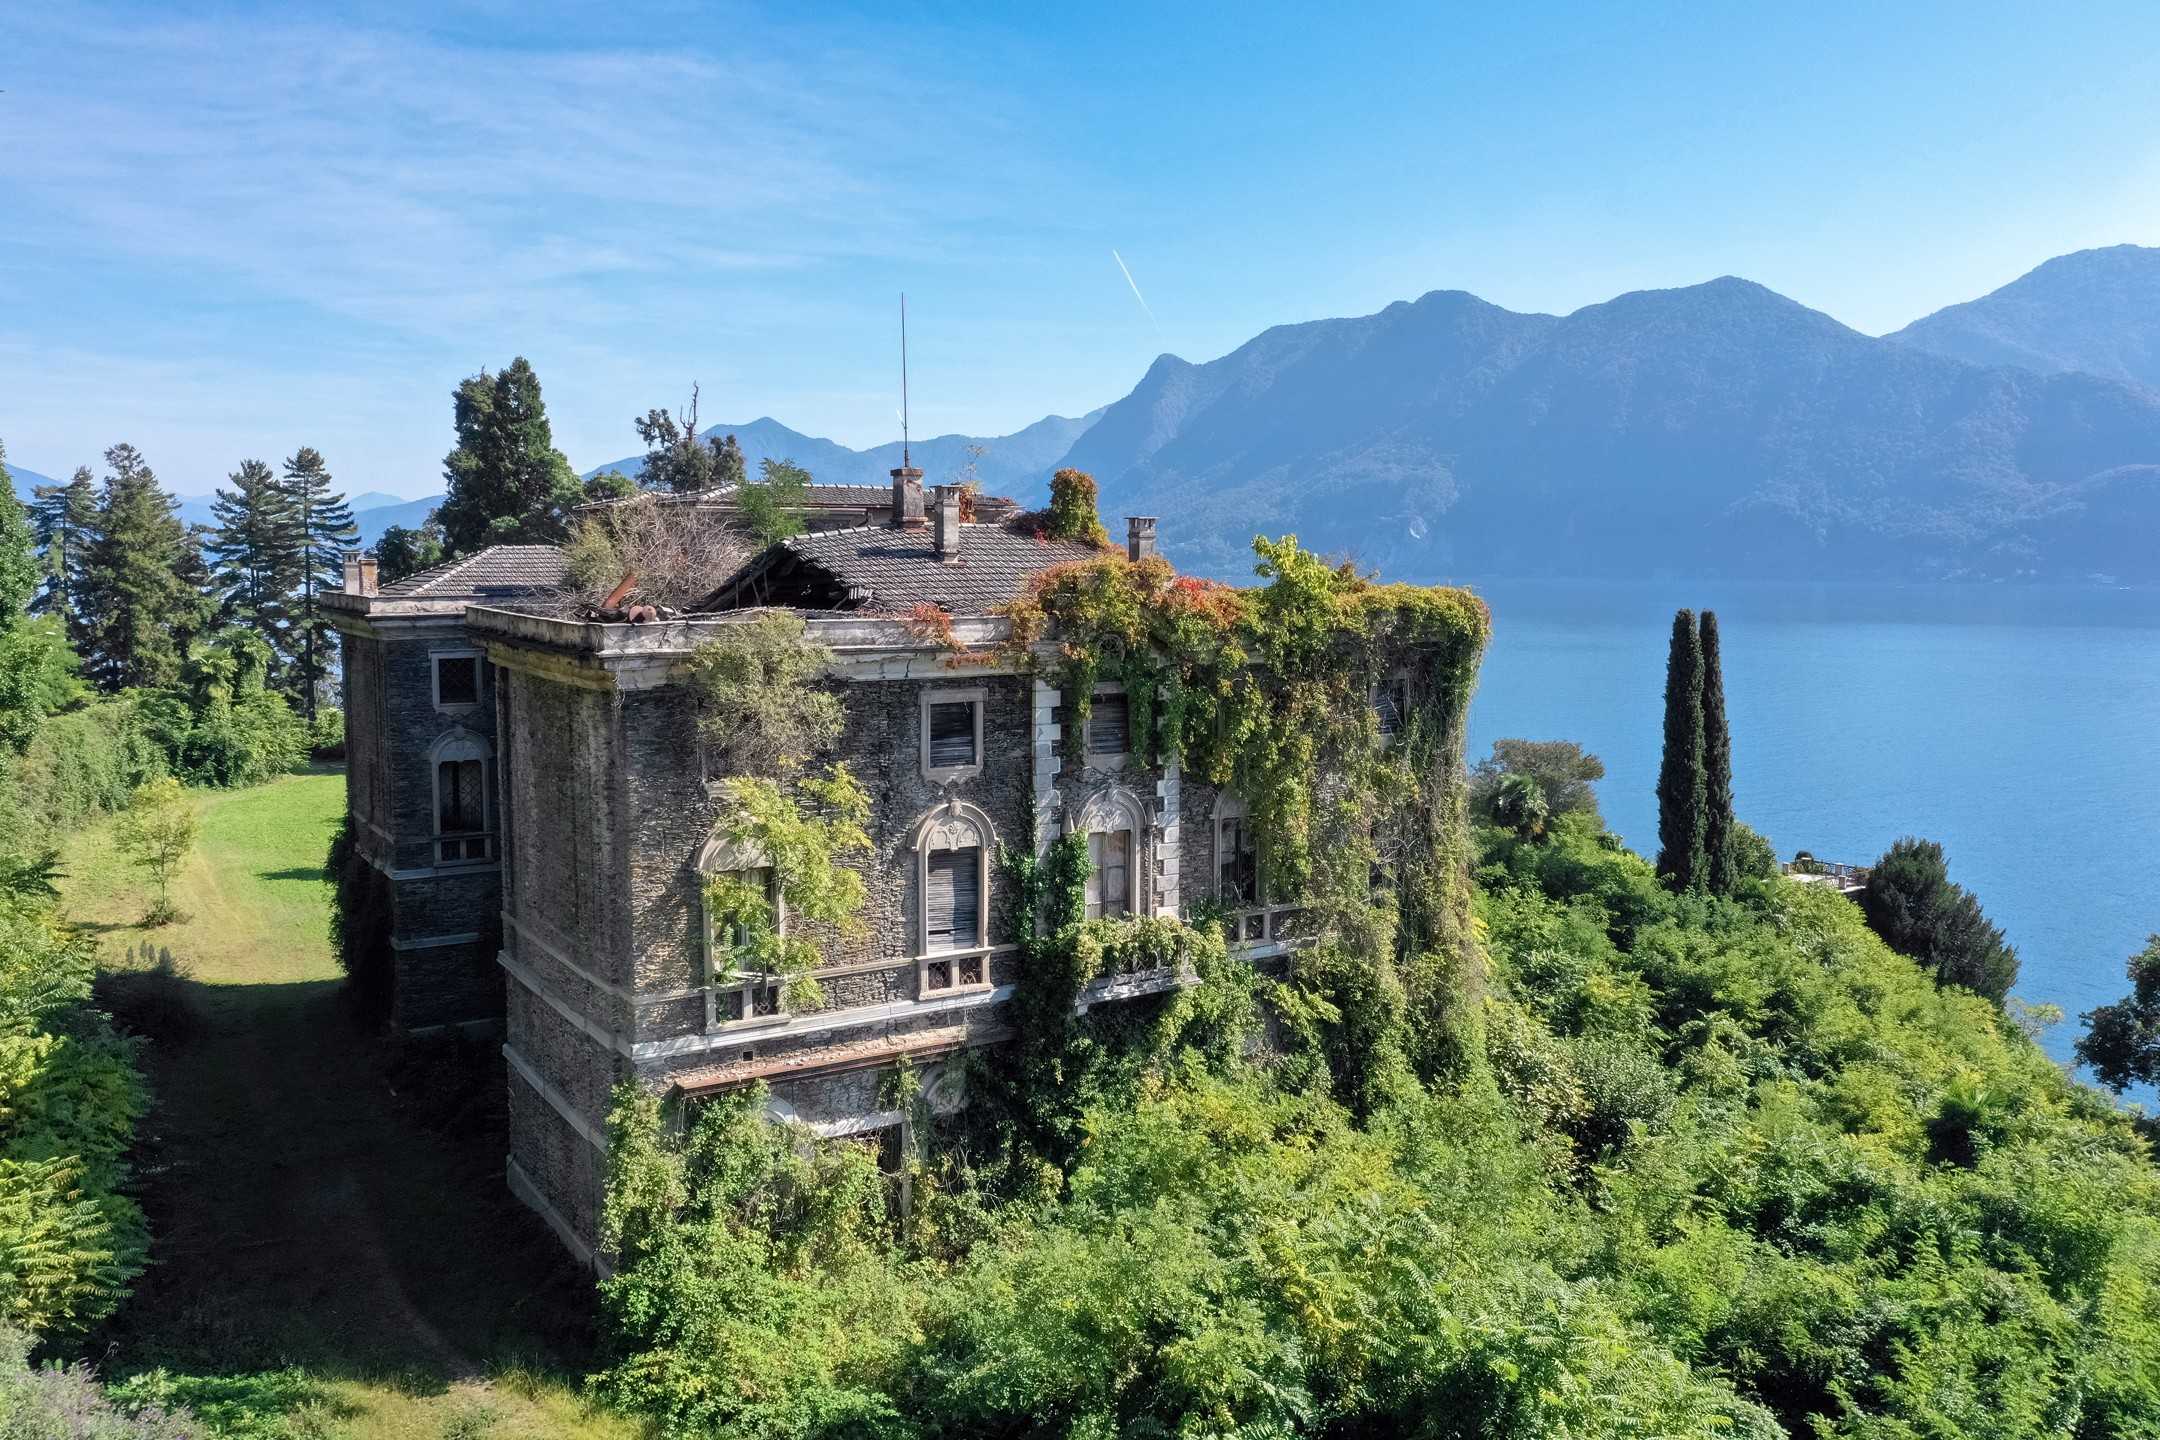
(1520, 805)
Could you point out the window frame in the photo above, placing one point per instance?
(723, 857)
(960, 969)
(1111, 811)
(974, 695)
(458, 707)
(457, 747)
(1397, 687)
(1090, 757)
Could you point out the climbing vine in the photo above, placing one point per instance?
(805, 854)
(1270, 692)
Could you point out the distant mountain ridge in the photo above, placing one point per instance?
(1017, 463)
(2095, 311)
(1714, 429)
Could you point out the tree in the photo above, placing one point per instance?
(63, 519)
(772, 509)
(1912, 904)
(729, 467)
(610, 485)
(1520, 804)
(1072, 514)
(403, 551)
(255, 554)
(1682, 783)
(507, 483)
(1564, 773)
(1722, 875)
(2122, 1041)
(136, 606)
(323, 526)
(37, 670)
(675, 459)
(157, 831)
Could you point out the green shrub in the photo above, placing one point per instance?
(79, 766)
(360, 923)
(56, 1402)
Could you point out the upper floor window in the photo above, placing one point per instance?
(952, 734)
(1237, 859)
(1109, 726)
(457, 679)
(1109, 882)
(739, 984)
(953, 845)
(464, 799)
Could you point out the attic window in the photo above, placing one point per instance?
(952, 731)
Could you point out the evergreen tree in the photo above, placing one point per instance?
(135, 605)
(37, 670)
(404, 551)
(1721, 857)
(324, 530)
(62, 518)
(254, 553)
(729, 467)
(507, 483)
(1682, 783)
(1912, 903)
(675, 459)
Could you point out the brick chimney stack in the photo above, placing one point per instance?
(907, 498)
(360, 572)
(945, 518)
(1139, 536)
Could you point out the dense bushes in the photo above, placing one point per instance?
(78, 766)
(67, 1403)
(360, 923)
(1918, 911)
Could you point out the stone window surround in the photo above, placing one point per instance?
(721, 856)
(1117, 808)
(457, 744)
(976, 695)
(461, 652)
(952, 825)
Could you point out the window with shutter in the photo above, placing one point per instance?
(952, 735)
(1109, 726)
(952, 906)
(1109, 883)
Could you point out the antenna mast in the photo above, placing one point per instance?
(903, 382)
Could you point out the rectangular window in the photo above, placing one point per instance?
(952, 734)
(1109, 882)
(461, 816)
(952, 908)
(1240, 877)
(1389, 706)
(1109, 726)
(457, 680)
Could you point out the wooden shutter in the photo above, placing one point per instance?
(1109, 726)
(952, 734)
(1095, 877)
(1116, 872)
(952, 906)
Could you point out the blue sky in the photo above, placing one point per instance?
(226, 231)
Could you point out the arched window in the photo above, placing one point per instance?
(463, 764)
(953, 848)
(739, 989)
(1115, 824)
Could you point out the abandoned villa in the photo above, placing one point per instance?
(535, 808)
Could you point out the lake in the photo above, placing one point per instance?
(2018, 726)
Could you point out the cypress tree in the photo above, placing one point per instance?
(324, 530)
(507, 484)
(1682, 784)
(254, 552)
(1723, 861)
(62, 518)
(135, 604)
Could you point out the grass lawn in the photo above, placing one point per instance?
(334, 1251)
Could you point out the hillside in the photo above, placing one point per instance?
(1715, 429)
(1016, 464)
(2097, 311)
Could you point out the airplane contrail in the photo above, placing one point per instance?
(1121, 265)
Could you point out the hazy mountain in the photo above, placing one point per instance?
(1017, 464)
(1719, 428)
(2097, 311)
(25, 482)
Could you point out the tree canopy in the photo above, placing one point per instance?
(507, 483)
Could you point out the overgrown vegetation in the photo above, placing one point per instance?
(2122, 1040)
(1916, 908)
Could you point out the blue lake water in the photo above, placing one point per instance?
(2019, 727)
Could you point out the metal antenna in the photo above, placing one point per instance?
(903, 383)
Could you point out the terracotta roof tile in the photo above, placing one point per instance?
(498, 572)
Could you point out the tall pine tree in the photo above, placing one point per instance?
(1682, 783)
(62, 518)
(255, 554)
(1722, 860)
(37, 670)
(323, 525)
(507, 483)
(136, 606)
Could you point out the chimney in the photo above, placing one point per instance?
(947, 524)
(907, 501)
(1139, 536)
(359, 573)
